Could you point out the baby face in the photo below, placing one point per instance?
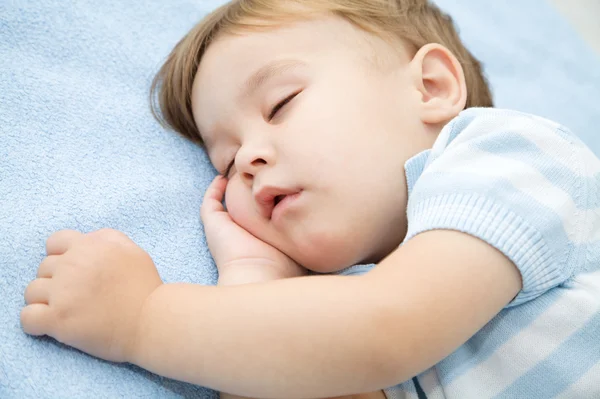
(313, 137)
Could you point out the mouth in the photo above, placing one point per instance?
(281, 203)
(279, 198)
(271, 200)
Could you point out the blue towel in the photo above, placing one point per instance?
(80, 150)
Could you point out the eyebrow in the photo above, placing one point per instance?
(268, 72)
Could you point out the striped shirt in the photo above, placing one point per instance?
(530, 188)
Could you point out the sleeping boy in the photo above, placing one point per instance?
(351, 132)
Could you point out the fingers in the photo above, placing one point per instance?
(36, 319)
(38, 291)
(216, 190)
(36, 316)
(59, 242)
(213, 198)
(47, 267)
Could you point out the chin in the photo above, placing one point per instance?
(326, 258)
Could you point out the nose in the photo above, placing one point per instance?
(251, 158)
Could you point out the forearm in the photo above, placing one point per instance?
(246, 274)
(307, 337)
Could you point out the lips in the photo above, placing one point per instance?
(268, 197)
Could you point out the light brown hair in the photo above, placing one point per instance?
(415, 22)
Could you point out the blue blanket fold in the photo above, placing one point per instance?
(79, 149)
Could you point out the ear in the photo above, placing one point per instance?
(440, 79)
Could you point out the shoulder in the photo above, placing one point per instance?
(498, 131)
(523, 184)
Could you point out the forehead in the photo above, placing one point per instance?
(232, 59)
(244, 51)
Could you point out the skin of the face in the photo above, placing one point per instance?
(336, 148)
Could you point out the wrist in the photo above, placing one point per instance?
(138, 345)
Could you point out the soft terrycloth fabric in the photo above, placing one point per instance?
(528, 187)
(79, 149)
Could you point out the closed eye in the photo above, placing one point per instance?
(272, 115)
(282, 104)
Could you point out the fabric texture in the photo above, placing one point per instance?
(528, 187)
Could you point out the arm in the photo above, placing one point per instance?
(328, 335)
(252, 273)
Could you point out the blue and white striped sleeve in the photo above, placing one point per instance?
(521, 183)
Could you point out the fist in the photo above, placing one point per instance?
(90, 291)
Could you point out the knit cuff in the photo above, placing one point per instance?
(500, 227)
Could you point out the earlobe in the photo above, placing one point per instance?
(440, 80)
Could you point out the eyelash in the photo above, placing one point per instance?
(228, 170)
(281, 104)
(272, 115)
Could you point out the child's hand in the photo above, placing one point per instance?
(90, 291)
(240, 257)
